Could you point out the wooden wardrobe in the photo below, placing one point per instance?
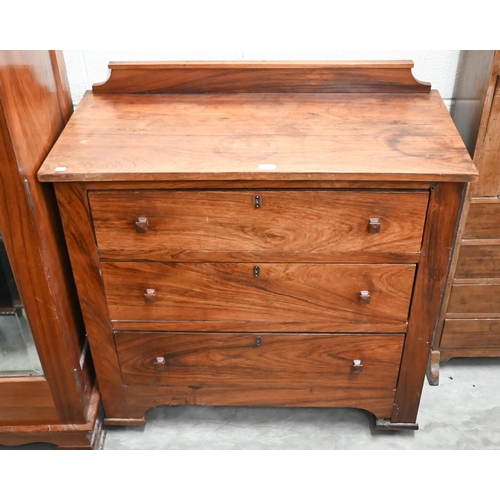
(59, 404)
(469, 324)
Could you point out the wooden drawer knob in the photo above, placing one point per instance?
(141, 225)
(159, 363)
(374, 225)
(150, 296)
(357, 366)
(364, 297)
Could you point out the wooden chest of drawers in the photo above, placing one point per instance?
(260, 234)
(469, 324)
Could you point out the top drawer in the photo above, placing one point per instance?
(311, 225)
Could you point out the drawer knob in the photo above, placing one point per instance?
(374, 225)
(159, 363)
(257, 201)
(141, 225)
(364, 297)
(357, 366)
(150, 296)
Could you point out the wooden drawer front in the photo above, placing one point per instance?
(471, 333)
(284, 297)
(478, 261)
(483, 221)
(181, 223)
(477, 299)
(257, 361)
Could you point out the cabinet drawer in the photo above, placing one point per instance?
(478, 261)
(471, 334)
(475, 299)
(284, 297)
(181, 225)
(483, 221)
(259, 361)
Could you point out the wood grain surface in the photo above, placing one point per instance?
(470, 301)
(482, 220)
(26, 401)
(471, 333)
(281, 184)
(440, 232)
(184, 224)
(487, 152)
(143, 397)
(210, 310)
(261, 76)
(227, 137)
(482, 299)
(478, 261)
(470, 352)
(34, 107)
(281, 360)
(78, 436)
(487, 98)
(488, 156)
(285, 297)
(75, 215)
(433, 375)
(470, 91)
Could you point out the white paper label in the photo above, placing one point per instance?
(267, 166)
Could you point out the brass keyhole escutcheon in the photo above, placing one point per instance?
(258, 340)
(257, 201)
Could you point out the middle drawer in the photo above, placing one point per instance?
(238, 297)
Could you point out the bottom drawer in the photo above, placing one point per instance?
(260, 361)
(471, 334)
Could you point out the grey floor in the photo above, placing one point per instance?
(463, 412)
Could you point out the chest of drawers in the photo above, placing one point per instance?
(260, 234)
(469, 324)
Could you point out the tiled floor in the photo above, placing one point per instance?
(463, 412)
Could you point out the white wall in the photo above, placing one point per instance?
(439, 67)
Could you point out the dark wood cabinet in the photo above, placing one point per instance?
(60, 403)
(469, 324)
(260, 233)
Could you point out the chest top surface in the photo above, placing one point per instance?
(308, 132)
